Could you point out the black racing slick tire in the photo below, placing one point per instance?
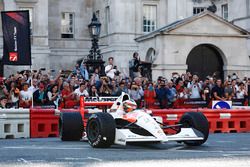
(71, 126)
(198, 121)
(101, 130)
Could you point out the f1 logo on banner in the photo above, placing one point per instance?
(13, 56)
(16, 37)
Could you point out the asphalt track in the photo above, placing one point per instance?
(220, 150)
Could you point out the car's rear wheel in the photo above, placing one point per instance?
(70, 126)
(101, 130)
(198, 121)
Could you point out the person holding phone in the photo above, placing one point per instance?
(53, 96)
(195, 88)
(105, 89)
(110, 69)
(40, 96)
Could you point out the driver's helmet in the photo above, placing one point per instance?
(129, 105)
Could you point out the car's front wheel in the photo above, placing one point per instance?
(198, 121)
(101, 130)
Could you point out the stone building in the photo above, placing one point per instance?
(60, 35)
(188, 45)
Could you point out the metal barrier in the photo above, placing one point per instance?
(24, 123)
(43, 123)
(14, 123)
(227, 121)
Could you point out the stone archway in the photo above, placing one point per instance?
(151, 55)
(204, 60)
(146, 66)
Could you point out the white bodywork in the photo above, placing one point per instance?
(147, 122)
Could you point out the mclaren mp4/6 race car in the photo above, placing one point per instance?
(124, 123)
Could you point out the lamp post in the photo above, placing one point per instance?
(94, 59)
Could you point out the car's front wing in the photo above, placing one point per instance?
(124, 136)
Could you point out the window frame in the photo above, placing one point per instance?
(67, 34)
(223, 11)
(196, 8)
(150, 27)
(107, 19)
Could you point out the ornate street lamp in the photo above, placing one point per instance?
(94, 27)
(94, 59)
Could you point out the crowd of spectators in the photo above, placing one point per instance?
(40, 88)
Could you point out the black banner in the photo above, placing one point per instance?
(16, 36)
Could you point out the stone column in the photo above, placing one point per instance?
(40, 45)
(40, 16)
(248, 7)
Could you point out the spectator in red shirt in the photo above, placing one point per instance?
(180, 85)
(68, 96)
(149, 95)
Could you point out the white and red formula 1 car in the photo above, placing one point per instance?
(124, 124)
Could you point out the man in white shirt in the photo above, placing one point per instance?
(110, 69)
(81, 91)
(25, 96)
(194, 88)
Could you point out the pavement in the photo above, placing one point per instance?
(220, 150)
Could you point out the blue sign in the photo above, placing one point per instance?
(222, 105)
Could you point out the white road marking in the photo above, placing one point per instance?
(176, 148)
(75, 159)
(231, 155)
(97, 159)
(23, 160)
(38, 161)
(70, 159)
(46, 148)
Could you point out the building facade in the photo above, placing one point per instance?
(219, 49)
(60, 35)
